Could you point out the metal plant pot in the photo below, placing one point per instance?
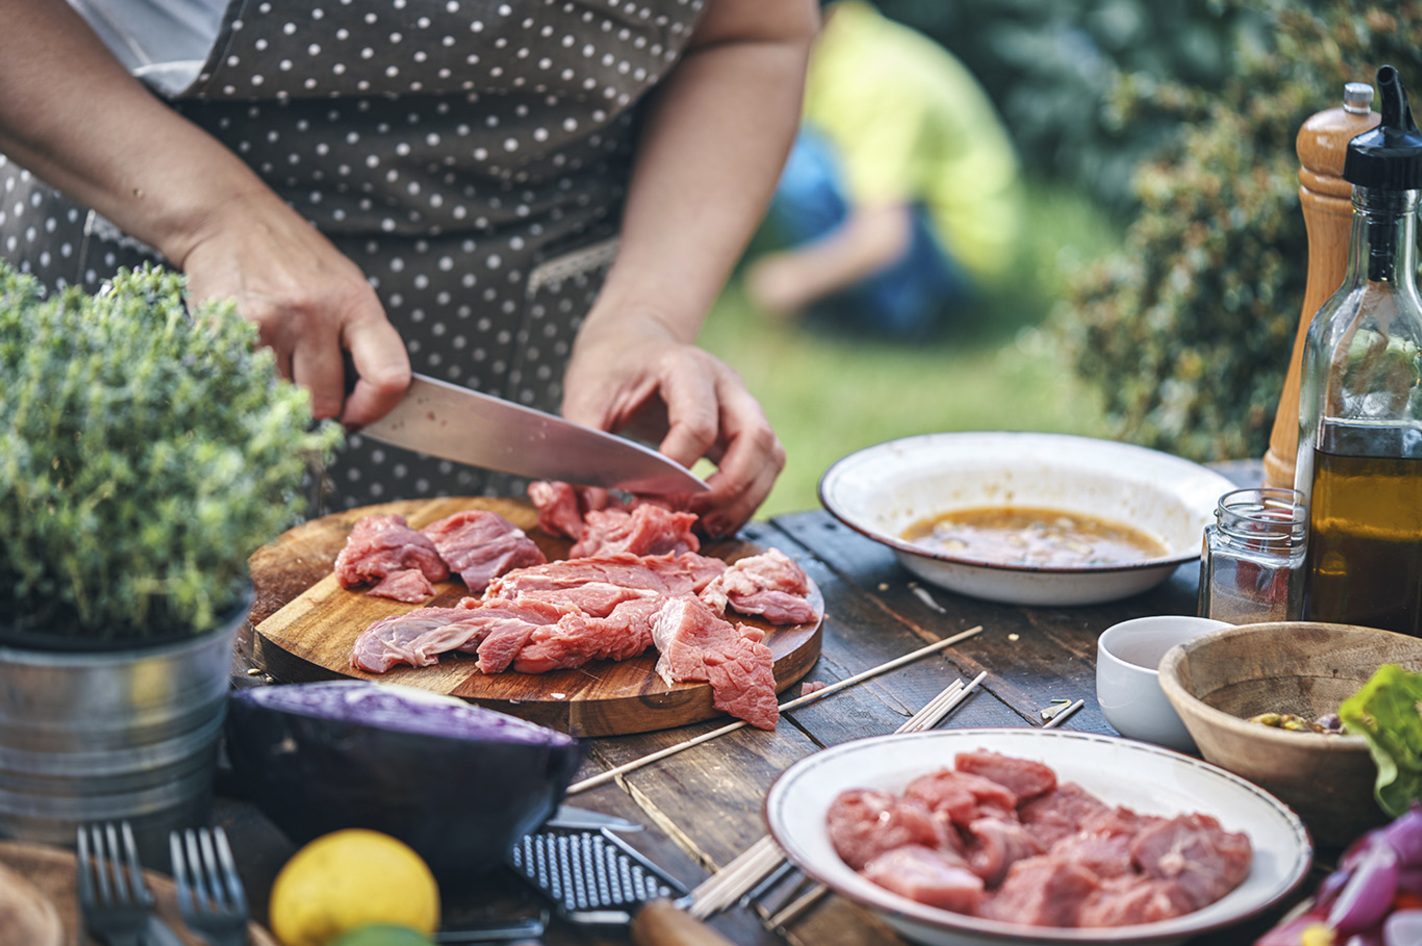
(114, 734)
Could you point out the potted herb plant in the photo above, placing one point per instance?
(145, 453)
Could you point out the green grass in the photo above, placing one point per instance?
(829, 394)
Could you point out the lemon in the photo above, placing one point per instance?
(384, 935)
(348, 879)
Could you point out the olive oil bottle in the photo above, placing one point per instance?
(1360, 418)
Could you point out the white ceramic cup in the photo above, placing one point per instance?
(1128, 683)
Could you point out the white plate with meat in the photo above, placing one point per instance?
(1164, 787)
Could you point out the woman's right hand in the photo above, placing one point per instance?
(310, 302)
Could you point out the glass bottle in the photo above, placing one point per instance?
(1359, 460)
(1251, 567)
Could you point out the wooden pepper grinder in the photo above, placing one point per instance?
(1327, 202)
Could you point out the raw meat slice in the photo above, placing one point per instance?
(1105, 854)
(557, 505)
(695, 643)
(1041, 891)
(1193, 850)
(669, 574)
(1124, 901)
(770, 585)
(379, 545)
(864, 823)
(624, 632)
(645, 529)
(509, 624)
(1023, 777)
(927, 876)
(480, 545)
(742, 678)
(407, 584)
(416, 638)
(961, 797)
(995, 845)
(1059, 813)
(595, 599)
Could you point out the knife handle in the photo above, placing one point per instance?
(660, 923)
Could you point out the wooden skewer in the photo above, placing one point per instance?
(1062, 714)
(604, 777)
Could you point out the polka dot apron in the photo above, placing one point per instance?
(469, 156)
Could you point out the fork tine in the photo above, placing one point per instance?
(135, 869)
(86, 866)
(236, 896)
(112, 862)
(180, 873)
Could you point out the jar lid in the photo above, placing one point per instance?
(1389, 156)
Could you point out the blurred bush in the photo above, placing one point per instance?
(1053, 66)
(1188, 329)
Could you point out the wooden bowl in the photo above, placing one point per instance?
(1220, 679)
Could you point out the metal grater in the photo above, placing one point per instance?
(591, 876)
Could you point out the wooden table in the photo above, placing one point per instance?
(703, 806)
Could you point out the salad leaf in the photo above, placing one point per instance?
(1385, 712)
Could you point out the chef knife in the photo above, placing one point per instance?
(466, 426)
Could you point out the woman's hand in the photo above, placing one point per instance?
(310, 302)
(635, 377)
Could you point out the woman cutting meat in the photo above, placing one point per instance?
(536, 198)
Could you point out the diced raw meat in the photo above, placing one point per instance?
(1059, 813)
(695, 643)
(669, 574)
(770, 585)
(416, 638)
(1124, 901)
(379, 545)
(646, 529)
(1105, 854)
(996, 844)
(963, 798)
(865, 822)
(408, 585)
(557, 505)
(1193, 850)
(1041, 891)
(480, 545)
(742, 678)
(1023, 777)
(927, 876)
(508, 627)
(624, 632)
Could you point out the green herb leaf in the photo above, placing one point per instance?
(1385, 712)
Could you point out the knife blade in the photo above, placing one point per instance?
(567, 816)
(467, 426)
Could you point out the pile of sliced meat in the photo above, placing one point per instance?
(998, 837)
(636, 580)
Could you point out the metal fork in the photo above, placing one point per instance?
(114, 899)
(762, 867)
(211, 900)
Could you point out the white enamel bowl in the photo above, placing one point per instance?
(1118, 771)
(882, 490)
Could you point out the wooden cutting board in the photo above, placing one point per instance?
(306, 624)
(50, 872)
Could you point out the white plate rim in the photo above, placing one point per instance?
(893, 905)
(1065, 442)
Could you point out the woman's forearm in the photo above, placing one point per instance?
(711, 153)
(73, 116)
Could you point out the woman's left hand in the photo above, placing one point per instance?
(639, 380)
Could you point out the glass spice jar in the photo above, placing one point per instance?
(1251, 567)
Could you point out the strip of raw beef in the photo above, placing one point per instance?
(770, 584)
(1194, 851)
(927, 875)
(695, 643)
(561, 506)
(480, 545)
(1041, 891)
(379, 545)
(416, 638)
(669, 574)
(961, 797)
(624, 632)
(995, 845)
(864, 823)
(1023, 777)
(510, 625)
(408, 585)
(420, 636)
(645, 529)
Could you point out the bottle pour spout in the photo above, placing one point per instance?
(1388, 157)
